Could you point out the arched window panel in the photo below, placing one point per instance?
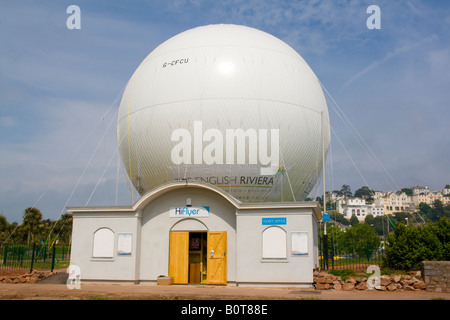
(274, 243)
(103, 243)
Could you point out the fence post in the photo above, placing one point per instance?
(53, 256)
(32, 257)
(332, 254)
(325, 251)
(5, 255)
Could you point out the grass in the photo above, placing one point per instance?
(343, 273)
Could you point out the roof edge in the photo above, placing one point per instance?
(151, 195)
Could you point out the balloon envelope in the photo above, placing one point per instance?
(228, 105)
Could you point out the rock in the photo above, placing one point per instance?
(321, 280)
(396, 278)
(415, 280)
(323, 286)
(361, 286)
(351, 281)
(385, 280)
(408, 288)
(406, 282)
(337, 285)
(348, 286)
(416, 273)
(392, 287)
(381, 288)
(419, 285)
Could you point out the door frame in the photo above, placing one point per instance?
(216, 267)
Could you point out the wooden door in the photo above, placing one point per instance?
(217, 257)
(179, 256)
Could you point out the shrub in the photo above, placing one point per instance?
(408, 246)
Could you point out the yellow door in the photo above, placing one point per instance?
(217, 257)
(179, 256)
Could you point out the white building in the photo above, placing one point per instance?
(420, 190)
(359, 208)
(197, 233)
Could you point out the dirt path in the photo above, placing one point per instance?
(55, 288)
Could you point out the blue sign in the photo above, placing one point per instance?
(273, 221)
(325, 217)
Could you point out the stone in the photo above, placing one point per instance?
(321, 280)
(392, 287)
(350, 280)
(415, 273)
(385, 280)
(406, 282)
(420, 285)
(381, 288)
(337, 285)
(415, 280)
(396, 278)
(323, 286)
(348, 286)
(408, 288)
(361, 286)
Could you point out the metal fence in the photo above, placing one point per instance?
(33, 257)
(354, 255)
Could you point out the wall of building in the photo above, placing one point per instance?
(252, 268)
(156, 225)
(116, 268)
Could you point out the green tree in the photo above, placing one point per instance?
(364, 192)
(380, 225)
(32, 224)
(354, 220)
(339, 217)
(407, 191)
(63, 229)
(408, 246)
(438, 210)
(345, 191)
(369, 220)
(4, 228)
(362, 240)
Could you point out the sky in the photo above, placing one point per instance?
(387, 89)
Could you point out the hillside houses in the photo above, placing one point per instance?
(381, 203)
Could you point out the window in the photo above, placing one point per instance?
(274, 243)
(103, 243)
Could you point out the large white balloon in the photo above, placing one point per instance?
(228, 105)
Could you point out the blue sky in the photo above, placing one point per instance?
(59, 89)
